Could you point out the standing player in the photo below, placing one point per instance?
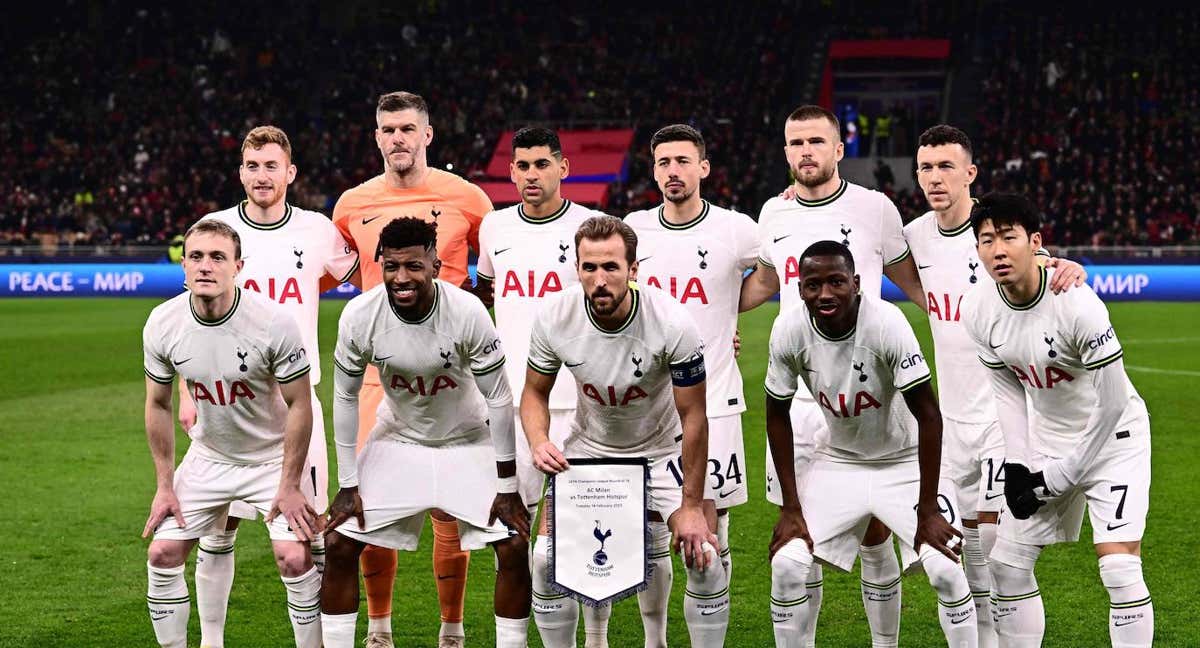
(1092, 441)
(699, 253)
(637, 360)
(438, 352)
(287, 252)
(526, 256)
(856, 353)
(244, 361)
(408, 187)
(827, 207)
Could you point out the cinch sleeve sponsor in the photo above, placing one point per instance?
(909, 368)
(289, 360)
(343, 259)
(483, 342)
(1093, 331)
(780, 382)
(155, 363)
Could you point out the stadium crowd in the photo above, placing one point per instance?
(133, 142)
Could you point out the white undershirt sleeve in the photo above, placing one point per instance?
(1014, 418)
(345, 425)
(1112, 397)
(495, 389)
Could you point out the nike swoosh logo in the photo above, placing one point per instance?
(710, 612)
(992, 497)
(1114, 528)
(921, 267)
(725, 494)
(179, 362)
(381, 359)
(158, 618)
(645, 258)
(441, 577)
(807, 370)
(958, 621)
(778, 239)
(501, 251)
(368, 220)
(1119, 624)
(995, 346)
(575, 364)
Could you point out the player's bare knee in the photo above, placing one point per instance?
(341, 551)
(512, 555)
(292, 558)
(165, 553)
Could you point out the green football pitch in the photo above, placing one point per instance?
(78, 480)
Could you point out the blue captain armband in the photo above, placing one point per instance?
(689, 372)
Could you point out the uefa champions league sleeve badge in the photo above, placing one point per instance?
(598, 526)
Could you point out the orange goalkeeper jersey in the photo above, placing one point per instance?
(457, 205)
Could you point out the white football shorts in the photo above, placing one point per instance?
(315, 481)
(973, 458)
(531, 481)
(725, 482)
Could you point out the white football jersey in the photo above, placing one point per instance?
(1050, 344)
(286, 260)
(948, 263)
(862, 219)
(857, 379)
(528, 260)
(626, 405)
(427, 368)
(701, 263)
(233, 367)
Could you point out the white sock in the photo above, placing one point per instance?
(595, 626)
(654, 600)
(379, 624)
(706, 602)
(980, 580)
(304, 607)
(790, 570)
(1017, 609)
(1131, 614)
(214, 579)
(881, 593)
(511, 633)
(956, 609)
(167, 598)
(451, 629)
(723, 540)
(337, 630)
(317, 549)
(814, 586)
(556, 615)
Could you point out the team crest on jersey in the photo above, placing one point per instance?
(434, 213)
(702, 253)
(242, 359)
(845, 235)
(562, 250)
(299, 260)
(862, 375)
(1050, 344)
(446, 355)
(973, 265)
(637, 366)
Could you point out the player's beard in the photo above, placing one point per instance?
(680, 197)
(613, 304)
(276, 196)
(405, 167)
(823, 175)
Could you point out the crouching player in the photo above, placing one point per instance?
(857, 354)
(440, 362)
(1091, 445)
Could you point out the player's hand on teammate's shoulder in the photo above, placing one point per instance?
(791, 525)
(789, 193)
(165, 503)
(294, 507)
(549, 459)
(345, 505)
(1067, 274)
(737, 343)
(935, 531)
(509, 509)
(691, 532)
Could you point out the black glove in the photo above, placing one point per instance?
(1019, 485)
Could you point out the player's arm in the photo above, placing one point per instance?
(290, 502)
(757, 287)
(932, 528)
(691, 528)
(1112, 397)
(160, 434)
(349, 367)
(507, 506)
(535, 420)
(1019, 482)
(1067, 273)
(903, 273)
(780, 385)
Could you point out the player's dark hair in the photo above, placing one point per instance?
(945, 134)
(599, 228)
(1006, 210)
(829, 249)
(678, 133)
(532, 136)
(407, 232)
(397, 101)
(213, 226)
(805, 113)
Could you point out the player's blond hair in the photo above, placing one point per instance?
(601, 228)
(260, 136)
(214, 226)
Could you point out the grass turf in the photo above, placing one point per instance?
(74, 462)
